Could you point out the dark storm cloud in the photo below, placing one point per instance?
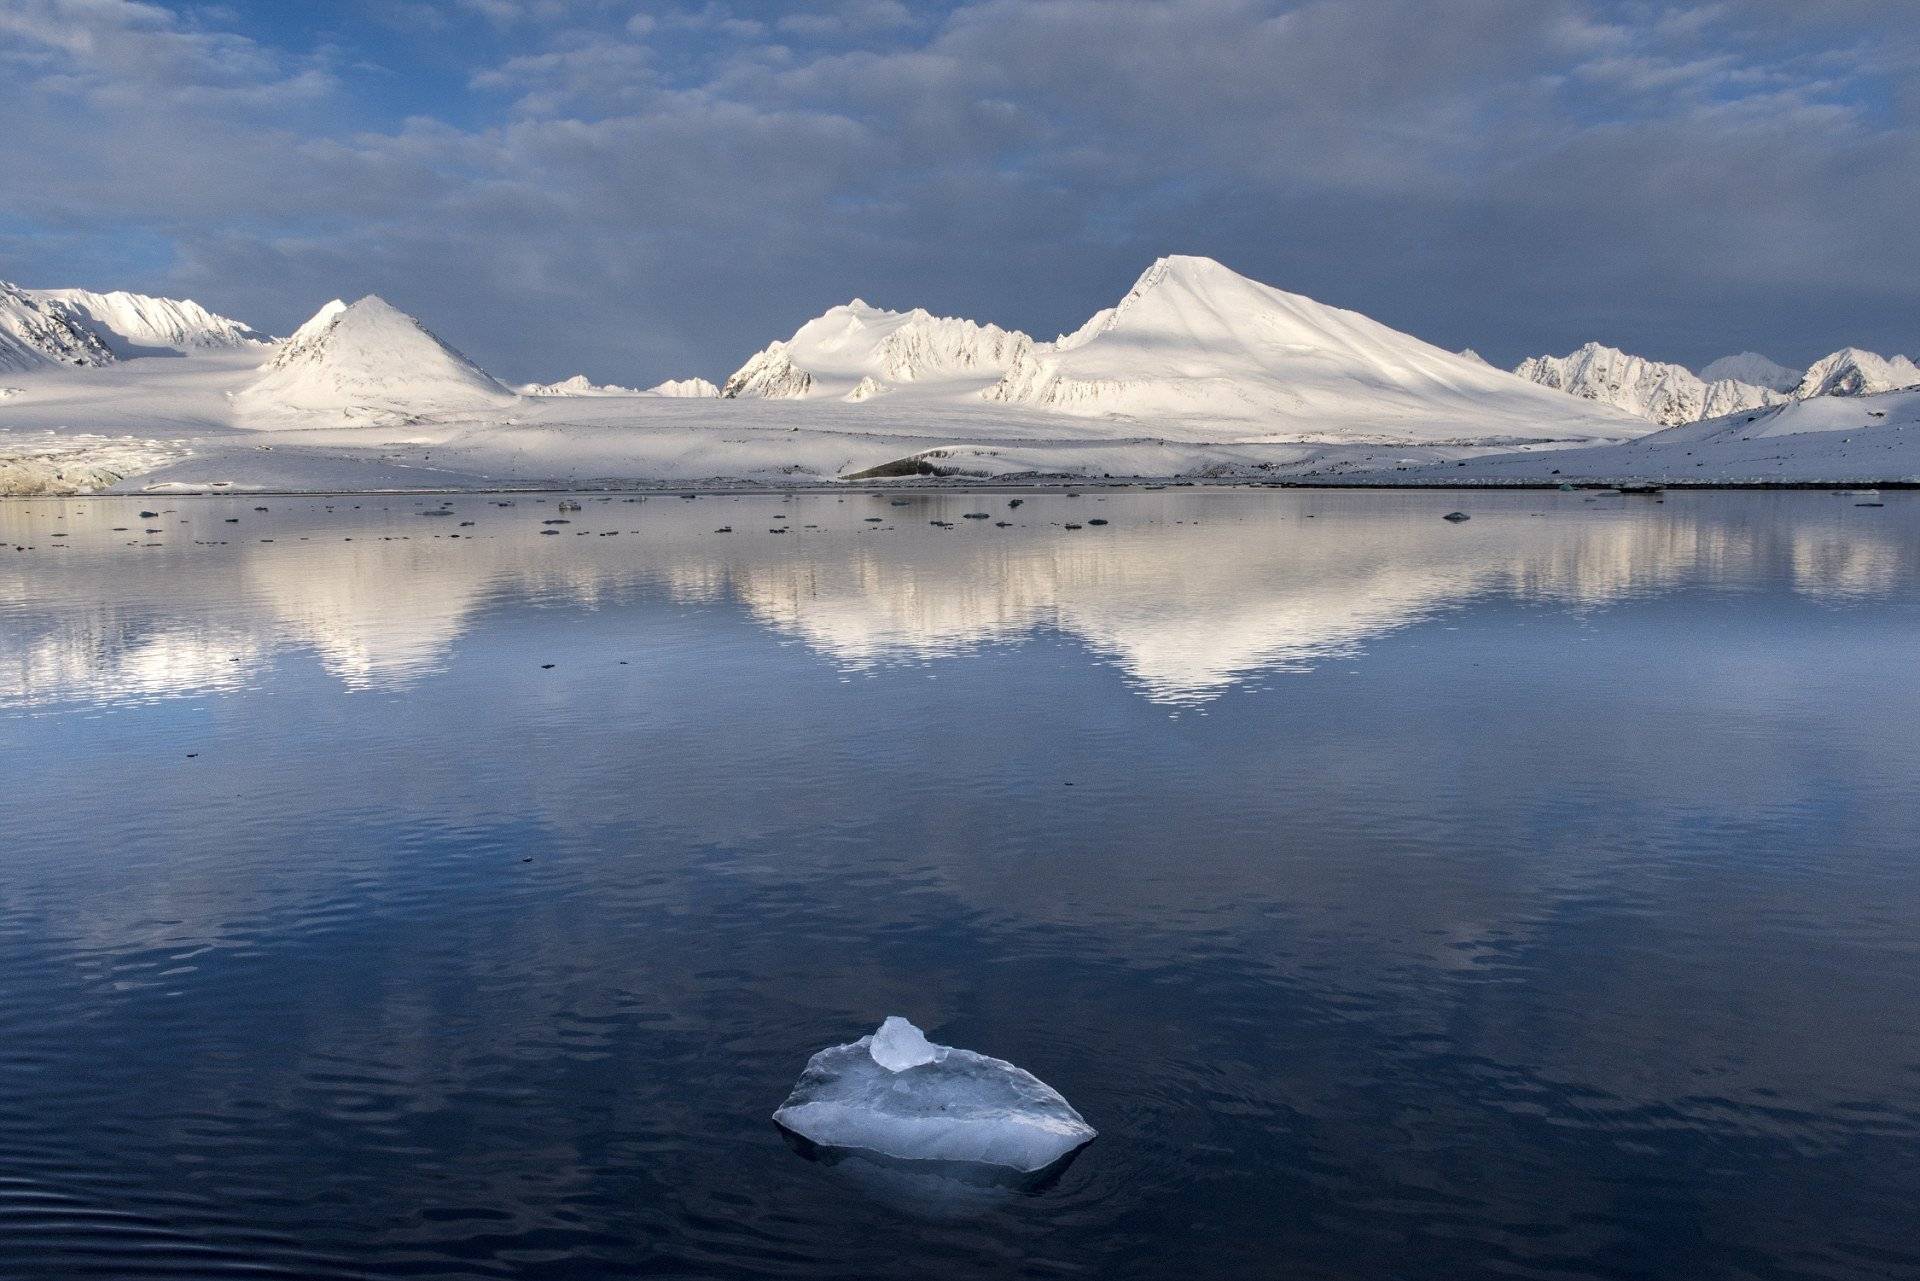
(644, 190)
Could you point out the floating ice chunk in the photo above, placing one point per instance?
(899, 1045)
(940, 1104)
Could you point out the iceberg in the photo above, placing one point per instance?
(898, 1094)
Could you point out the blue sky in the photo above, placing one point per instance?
(639, 190)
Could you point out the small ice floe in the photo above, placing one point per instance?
(897, 1094)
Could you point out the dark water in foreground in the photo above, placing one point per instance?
(1533, 897)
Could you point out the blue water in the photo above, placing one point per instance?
(1529, 897)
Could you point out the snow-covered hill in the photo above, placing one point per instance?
(140, 325)
(1661, 393)
(368, 361)
(1194, 340)
(860, 347)
(1852, 372)
(33, 335)
(1755, 370)
(1866, 440)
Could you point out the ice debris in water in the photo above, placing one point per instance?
(896, 1093)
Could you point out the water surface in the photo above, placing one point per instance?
(384, 895)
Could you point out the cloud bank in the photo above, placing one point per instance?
(643, 191)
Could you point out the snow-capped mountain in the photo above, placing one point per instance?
(1196, 341)
(1852, 372)
(139, 324)
(1755, 370)
(839, 352)
(33, 335)
(1661, 393)
(369, 361)
(685, 388)
(578, 385)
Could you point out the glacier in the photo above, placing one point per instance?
(897, 1094)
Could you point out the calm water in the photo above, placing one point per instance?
(1530, 897)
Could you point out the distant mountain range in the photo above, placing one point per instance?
(1671, 395)
(1191, 352)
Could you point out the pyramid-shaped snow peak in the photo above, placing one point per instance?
(369, 361)
(855, 345)
(1194, 340)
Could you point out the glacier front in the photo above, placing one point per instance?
(938, 1104)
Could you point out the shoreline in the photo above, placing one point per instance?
(1625, 488)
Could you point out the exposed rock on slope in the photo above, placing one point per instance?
(770, 374)
(32, 334)
(369, 361)
(1194, 340)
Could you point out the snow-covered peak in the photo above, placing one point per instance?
(578, 385)
(1193, 339)
(1663, 393)
(833, 353)
(1755, 370)
(33, 334)
(140, 325)
(1853, 372)
(685, 388)
(370, 360)
(1199, 302)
